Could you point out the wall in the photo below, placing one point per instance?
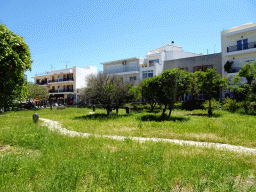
(191, 62)
(82, 74)
(230, 38)
(114, 68)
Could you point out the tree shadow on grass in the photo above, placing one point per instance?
(101, 116)
(163, 118)
(203, 114)
(249, 114)
(155, 111)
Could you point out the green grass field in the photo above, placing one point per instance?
(223, 127)
(32, 158)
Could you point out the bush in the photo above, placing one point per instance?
(231, 104)
(249, 107)
(178, 105)
(215, 104)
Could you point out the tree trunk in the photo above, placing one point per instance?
(165, 106)
(108, 108)
(170, 112)
(117, 110)
(152, 107)
(109, 112)
(210, 108)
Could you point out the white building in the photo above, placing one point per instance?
(137, 68)
(65, 85)
(238, 45)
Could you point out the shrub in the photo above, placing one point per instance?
(215, 104)
(178, 105)
(231, 104)
(249, 107)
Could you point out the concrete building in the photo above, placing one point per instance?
(193, 64)
(238, 44)
(128, 69)
(65, 85)
(136, 69)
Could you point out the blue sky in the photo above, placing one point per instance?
(80, 32)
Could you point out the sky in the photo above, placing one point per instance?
(81, 33)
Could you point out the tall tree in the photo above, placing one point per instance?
(15, 59)
(209, 83)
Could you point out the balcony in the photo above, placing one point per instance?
(242, 47)
(43, 83)
(61, 91)
(234, 70)
(60, 80)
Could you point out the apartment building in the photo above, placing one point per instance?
(193, 64)
(238, 45)
(136, 69)
(65, 85)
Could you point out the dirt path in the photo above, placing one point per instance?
(55, 125)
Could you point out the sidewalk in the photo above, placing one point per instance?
(55, 125)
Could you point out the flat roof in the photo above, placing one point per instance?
(117, 61)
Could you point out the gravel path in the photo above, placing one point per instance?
(55, 125)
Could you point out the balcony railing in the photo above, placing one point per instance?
(45, 83)
(61, 90)
(245, 46)
(234, 70)
(61, 80)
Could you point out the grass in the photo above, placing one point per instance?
(32, 158)
(222, 127)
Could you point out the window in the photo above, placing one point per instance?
(153, 62)
(202, 68)
(197, 68)
(132, 78)
(242, 44)
(147, 74)
(249, 60)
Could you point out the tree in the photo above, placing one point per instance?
(247, 90)
(167, 89)
(15, 59)
(171, 85)
(108, 90)
(228, 66)
(209, 83)
(36, 92)
(148, 91)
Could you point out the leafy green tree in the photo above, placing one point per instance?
(148, 91)
(108, 90)
(247, 90)
(15, 59)
(36, 92)
(228, 66)
(167, 89)
(171, 85)
(209, 83)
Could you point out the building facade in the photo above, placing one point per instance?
(136, 69)
(65, 85)
(193, 64)
(238, 45)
